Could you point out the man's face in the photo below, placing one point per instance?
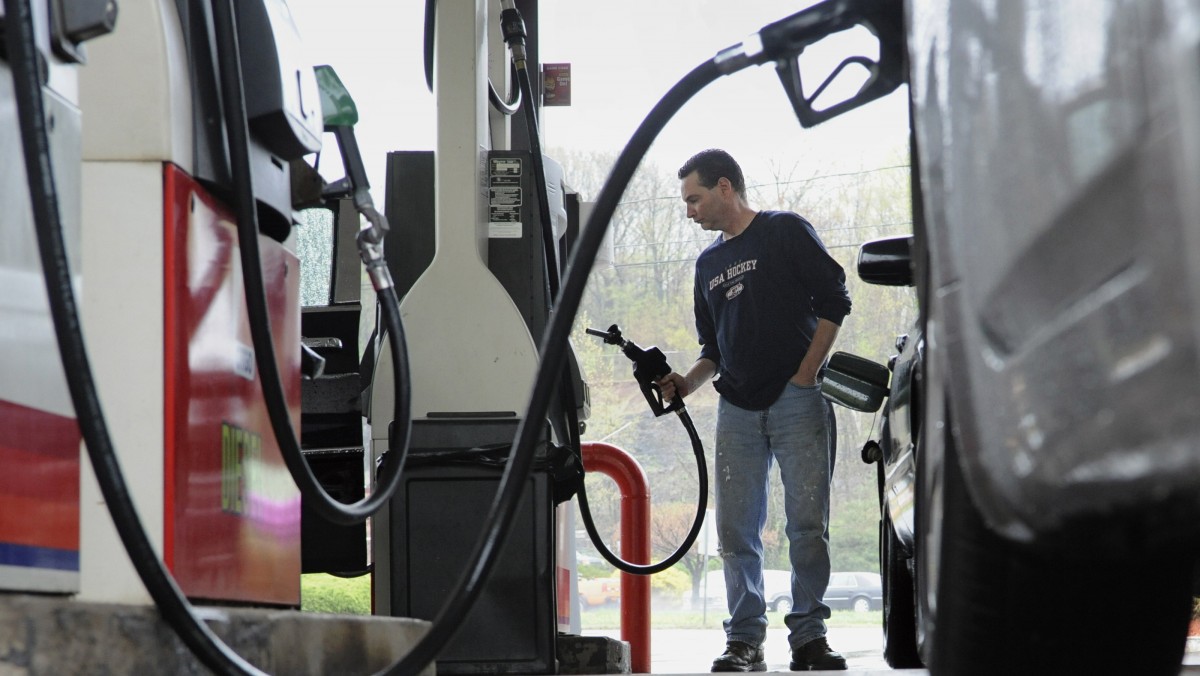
(704, 205)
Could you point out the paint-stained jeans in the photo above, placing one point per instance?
(799, 433)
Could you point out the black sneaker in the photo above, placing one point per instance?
(816, 655)
(740, 656)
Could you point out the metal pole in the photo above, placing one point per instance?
(635, 543)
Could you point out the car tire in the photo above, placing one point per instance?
(860, 604)
(1005, 608)
(899, 613)
(782, 604)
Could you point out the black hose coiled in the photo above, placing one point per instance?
(552, 348)
(175, 610)
(315, 496)
(689, 540)
(170, 601)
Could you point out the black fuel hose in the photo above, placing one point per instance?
(508, 107)
(514, 34)
(697, 523)
(314, 495)
(553, 349)
(427, 40)
(513, 28)
(174, 608)
(168, 598)
(539, 179)
(170, 601)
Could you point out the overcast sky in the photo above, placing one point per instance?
(625, 54)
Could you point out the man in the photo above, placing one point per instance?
(769, 301)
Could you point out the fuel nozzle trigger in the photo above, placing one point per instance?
(648, 366)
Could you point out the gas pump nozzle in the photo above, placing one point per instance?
(649, 365)
(340, 115)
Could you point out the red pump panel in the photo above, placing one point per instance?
(39, 500)
(232, 511)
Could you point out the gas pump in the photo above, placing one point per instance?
(778, 42)
(39, 437)
(175, 163)
(163, 299)
(242, 506)
(244, 501)
(473, 308)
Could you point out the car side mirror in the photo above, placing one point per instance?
(886, 261)
(856, 383)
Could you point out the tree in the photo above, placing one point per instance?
(669, 526)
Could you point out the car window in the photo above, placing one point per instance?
(314, 248)
(870, 580)
(841, 580)
(777, 582)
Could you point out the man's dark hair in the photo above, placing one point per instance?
(710, 165)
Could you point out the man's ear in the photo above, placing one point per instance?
(724, 185)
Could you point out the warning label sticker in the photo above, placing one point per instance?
(504, 197)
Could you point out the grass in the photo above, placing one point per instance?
(610, 618)
(320, 593)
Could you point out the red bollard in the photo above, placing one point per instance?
(635, 543)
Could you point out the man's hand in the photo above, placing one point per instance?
(818, 352)
(803, 379)
(672, 384)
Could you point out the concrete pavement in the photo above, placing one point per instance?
(691, 651)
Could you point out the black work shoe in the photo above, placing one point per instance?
(740, 656)
(816, 655)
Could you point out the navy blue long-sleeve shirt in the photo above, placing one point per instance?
(758, 297)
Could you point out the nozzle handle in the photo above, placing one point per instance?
(649, 365)
(612, 336)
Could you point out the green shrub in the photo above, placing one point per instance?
(671, 582)
(321, 593)
(591, 571)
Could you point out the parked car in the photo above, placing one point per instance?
(777, 588)
(863, 386)
(859, 592)
(599, 591)
(847, 591)
(1040, 450)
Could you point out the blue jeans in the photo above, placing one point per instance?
(798, 431)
